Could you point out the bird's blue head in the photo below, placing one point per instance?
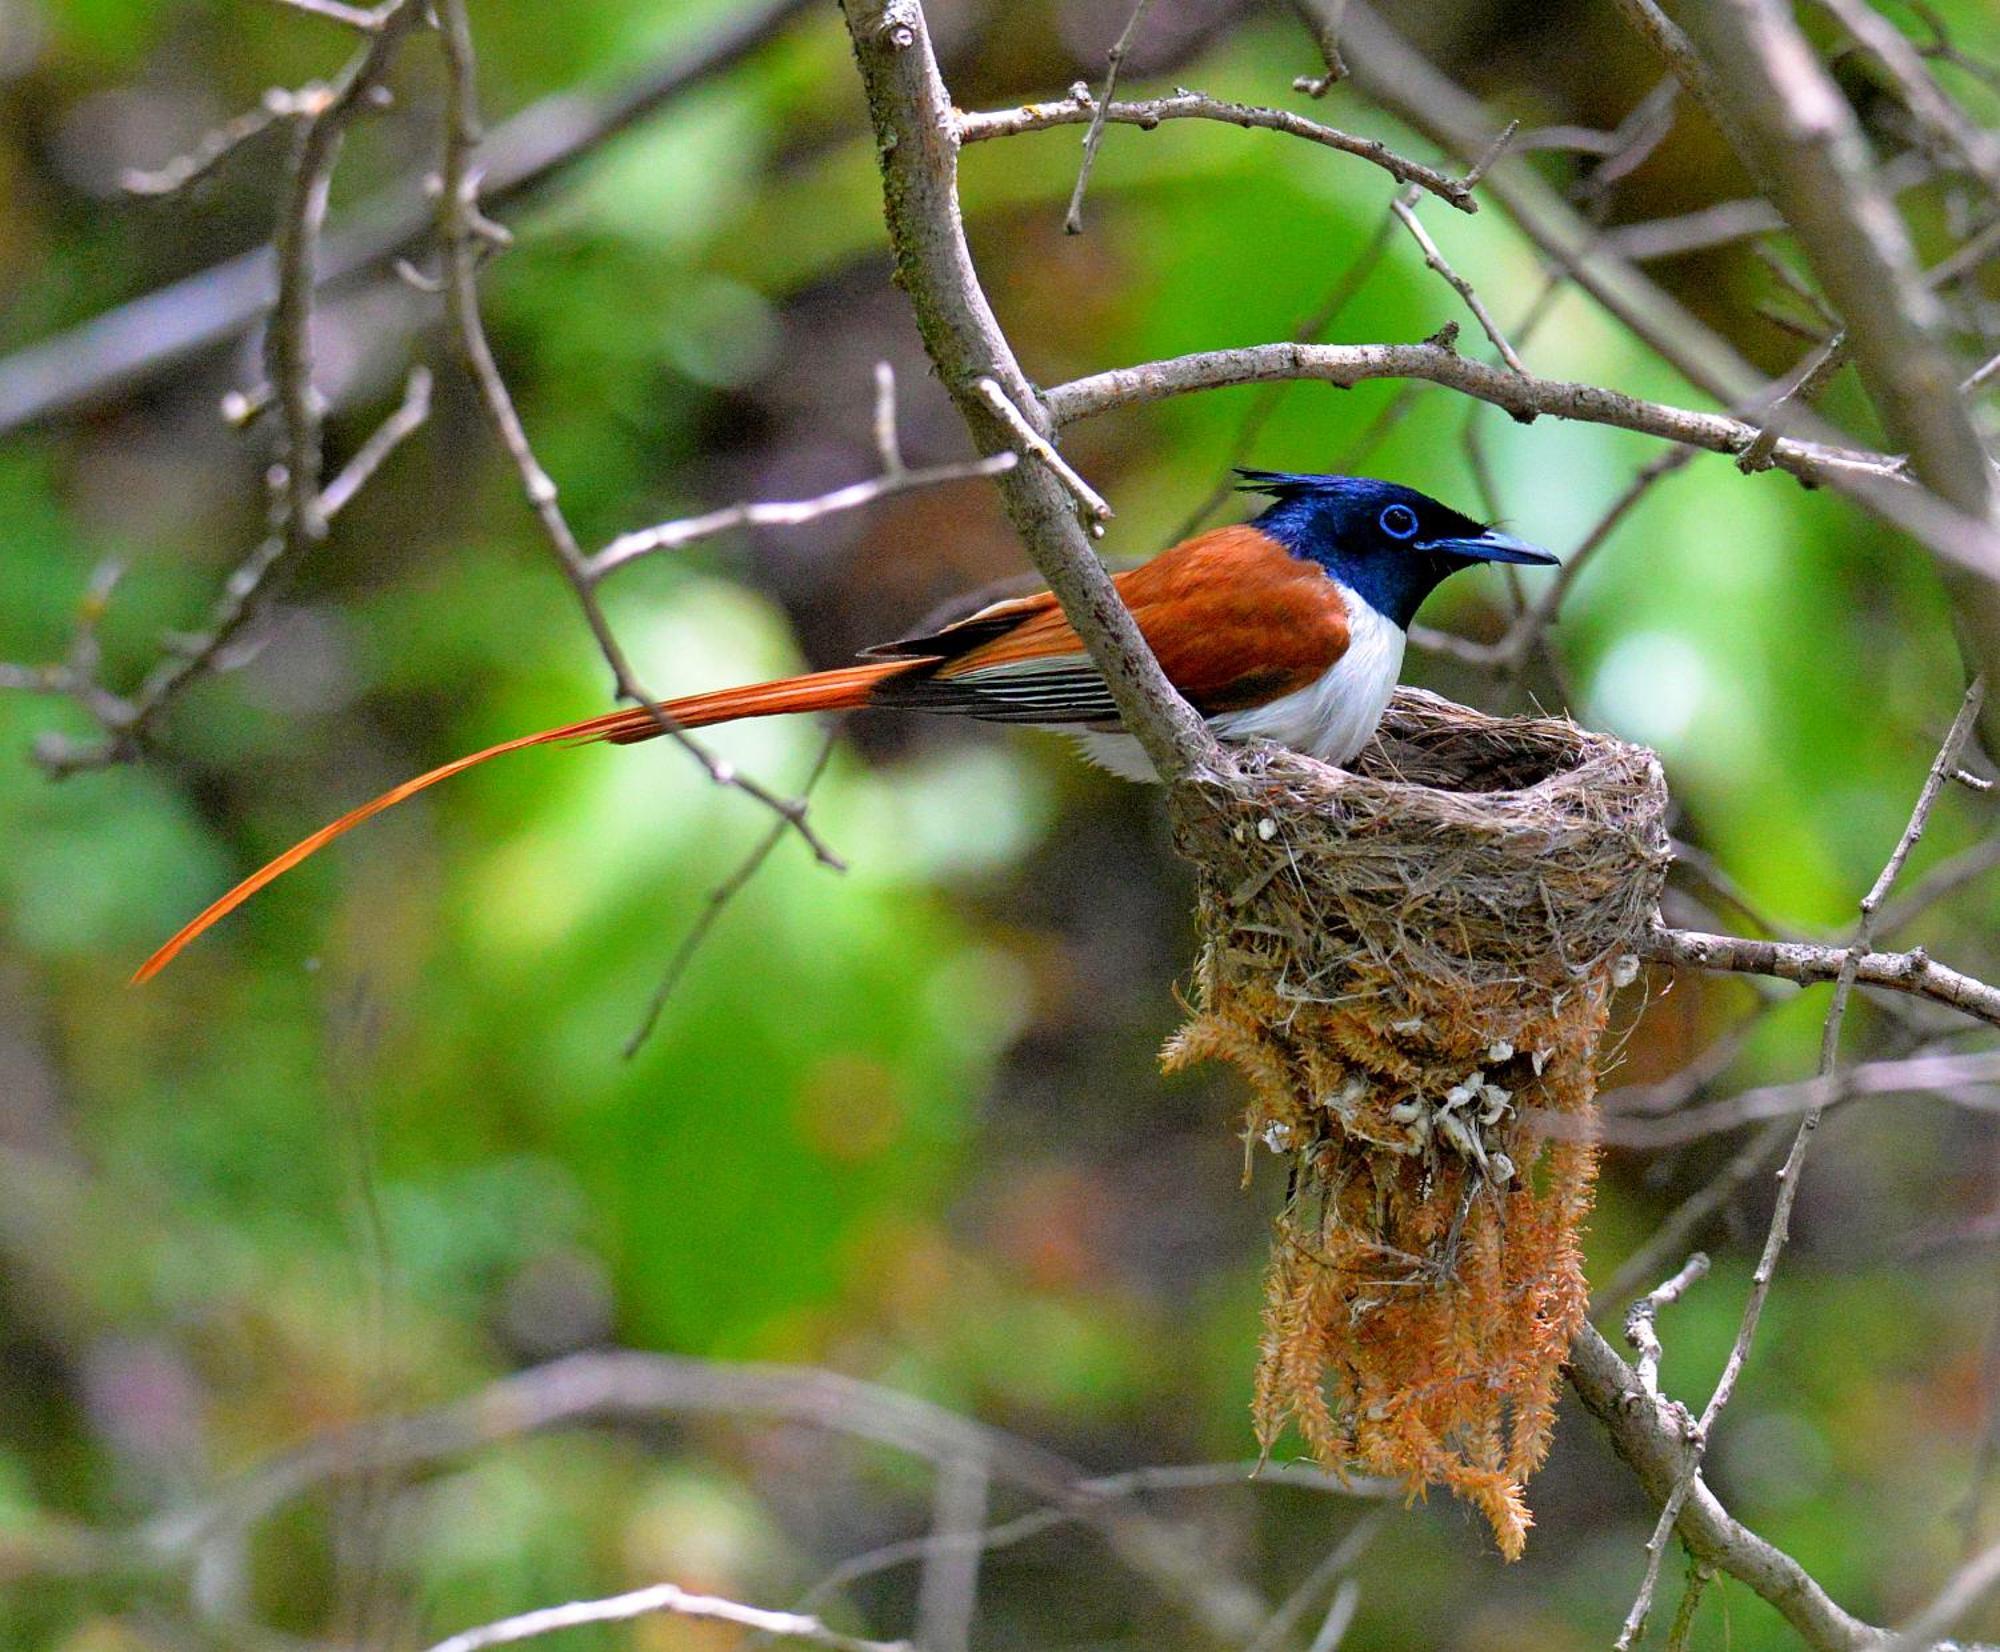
(1389, 544)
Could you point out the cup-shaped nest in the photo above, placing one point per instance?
(1411, 962)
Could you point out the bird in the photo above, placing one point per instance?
(1288, 628)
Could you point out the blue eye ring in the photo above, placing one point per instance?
(1398, 521)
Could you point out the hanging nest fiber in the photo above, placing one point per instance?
(1411, 962)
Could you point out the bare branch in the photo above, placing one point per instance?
(1322, 19)
(1707, 227)
(1523, 395)
(1648, 1437)
(277, 106)
(1791, 126)
(1079, 109)
(1912, 972)
(714, 906)
(464, 230)
(1096, 510)
(1947, 127)
(1918, 1075)
(1779, 1232)
(1404, 207)
(1964, 1590)
(1114, 61)
(353, 17)
(661, 1598)
(788, 513)
(917, 137)
(131, 344)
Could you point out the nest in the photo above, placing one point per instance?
(1410, 962)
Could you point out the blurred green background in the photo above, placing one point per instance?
(372, 1142)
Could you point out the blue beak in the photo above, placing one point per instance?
(1492, 546)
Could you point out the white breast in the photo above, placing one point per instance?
(1330, 719)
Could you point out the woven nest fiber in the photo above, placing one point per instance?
(1410, 962)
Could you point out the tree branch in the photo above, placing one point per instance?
(1793, 128)
(463, 230)
(917, 138)
(607, 1387)
(131, 344)
(1648, 1436)
(1080, 109)
(1913, 972)
(662, 1598)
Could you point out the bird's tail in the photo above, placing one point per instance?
(841, 690)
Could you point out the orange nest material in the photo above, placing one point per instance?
(1410, 962)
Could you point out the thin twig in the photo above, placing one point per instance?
(1096, 510)
(1690, 1216)
(353, 17)
(277, 106)
(1131, 1483)
(1964, 1590)
(715, 905)
(382, 441)
(1526, 633)
(1322, 20)
(661, 1598)
(1643, 1334)
(787, 513)
(1331, 1570)
(1404, 207)
(1779, 1231)
(1339, 1617)
(1919, 1075)
(1699, 1576)
(1641, 1328)
(1813, 377)
(1114, 61)
(1525, 396)
(1080, 109)
(128, 722)
(463, 230)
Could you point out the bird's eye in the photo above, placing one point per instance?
(1399, 521)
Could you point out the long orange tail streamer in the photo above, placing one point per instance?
(841, 690)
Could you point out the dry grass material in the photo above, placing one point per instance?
(1405, 960)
